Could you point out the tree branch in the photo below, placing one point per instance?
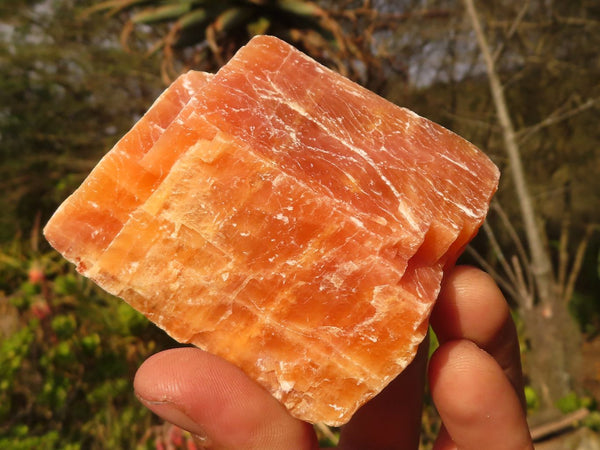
(555, 117)
(578, 262)
(522, 254)
(526, 294)
(499, 253)
(559, 425)
(563, 253)
(513, 30)
(540, 260)
(510, 290)
(472, 121)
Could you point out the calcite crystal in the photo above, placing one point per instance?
(284, 218)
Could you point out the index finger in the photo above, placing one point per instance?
(472, 307)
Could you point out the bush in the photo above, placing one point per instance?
(68, 358)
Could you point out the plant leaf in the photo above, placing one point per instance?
(195, 17)
(161, 13)
(300, 8)
(259, 26)
(112, 7)
(231, 18)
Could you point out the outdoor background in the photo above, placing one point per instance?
(520, 79)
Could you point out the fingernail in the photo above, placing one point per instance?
(175, 415)
(202, 442)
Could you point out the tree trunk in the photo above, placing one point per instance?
(551, 331)
(552, 365)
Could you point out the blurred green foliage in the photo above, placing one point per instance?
(68, 352)
(66, 368)
(573, 401)
(532, 399)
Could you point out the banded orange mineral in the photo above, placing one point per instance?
(284, 218)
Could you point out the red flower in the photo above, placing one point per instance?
(35, 274)
(176, 436)
(40, 309)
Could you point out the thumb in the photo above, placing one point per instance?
(217, 402)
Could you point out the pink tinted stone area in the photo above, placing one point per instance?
(284, 218)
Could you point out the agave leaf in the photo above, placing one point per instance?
(300, 8)
(231, 18)
(158, 45)
(161, 13)
(191, 27)
(112, 7)
(125, 33)
(192, 18)
(259, 26)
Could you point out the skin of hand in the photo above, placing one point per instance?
(475, 380)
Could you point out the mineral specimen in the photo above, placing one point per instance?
(284, 218)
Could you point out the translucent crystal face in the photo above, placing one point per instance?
(282, 217)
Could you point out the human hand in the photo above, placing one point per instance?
(475, 380)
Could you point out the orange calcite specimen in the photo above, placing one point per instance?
(284, 218)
